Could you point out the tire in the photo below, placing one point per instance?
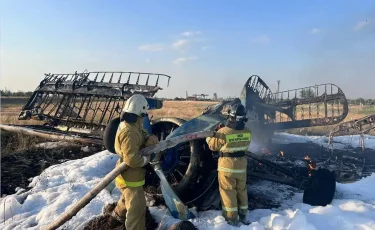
(209, 195)
(162, 127)
(109, 135)
(197, 185)
(320, 189)
(174, 120)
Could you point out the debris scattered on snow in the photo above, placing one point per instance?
(60, 186)
(86, 149)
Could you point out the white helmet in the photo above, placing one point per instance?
(136, 104)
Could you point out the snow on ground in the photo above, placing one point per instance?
(60, 186)
(339, 142)
(353, 207)
(56, 189)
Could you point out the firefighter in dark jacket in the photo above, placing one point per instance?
(232, 142)
(130, 139)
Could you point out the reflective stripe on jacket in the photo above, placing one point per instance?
(228, 140)
(121, 183)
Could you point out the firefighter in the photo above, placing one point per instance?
(232, 142)
(131, 137)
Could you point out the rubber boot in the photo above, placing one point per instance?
(243, 217)
(245, 221)
(115, 221)
(233, 223)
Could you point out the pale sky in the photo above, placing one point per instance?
(205, 46)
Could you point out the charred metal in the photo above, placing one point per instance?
(85, 107)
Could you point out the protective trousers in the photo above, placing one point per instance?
(232, 187)
(132, 205)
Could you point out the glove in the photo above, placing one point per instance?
(155, 157)
(151, 140)
(219, 127)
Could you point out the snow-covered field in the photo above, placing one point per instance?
(60, 186)
(339, 142)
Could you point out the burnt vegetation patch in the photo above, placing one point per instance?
(24, 157)
(17, 142)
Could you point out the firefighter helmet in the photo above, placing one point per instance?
(136, 104)
(237, 112)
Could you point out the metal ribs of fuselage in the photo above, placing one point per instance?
(318, 105)
(259, 87)
(86, 100)
(359, 126)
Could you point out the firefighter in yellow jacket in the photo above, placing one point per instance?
(232, 142)
(130, 139)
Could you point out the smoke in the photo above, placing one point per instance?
(232, 85)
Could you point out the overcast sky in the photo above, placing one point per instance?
(205, 46)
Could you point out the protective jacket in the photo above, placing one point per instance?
(231, 142)
(130, 139)
(232, 164)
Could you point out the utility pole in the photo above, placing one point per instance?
(278, 89)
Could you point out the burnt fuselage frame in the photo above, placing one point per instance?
(88, 101)
(80, 105)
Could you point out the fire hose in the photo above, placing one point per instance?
(115, 172)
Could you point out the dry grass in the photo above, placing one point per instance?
(181, 109)
(17, 142)
(189, 109)
(13, 142)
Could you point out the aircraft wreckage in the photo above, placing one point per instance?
(85, 107)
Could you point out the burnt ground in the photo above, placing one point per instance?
(316, 151)
(18, 167)
(349, 165)
(260, 195)
(346, 160)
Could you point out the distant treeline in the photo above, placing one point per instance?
(8, 93)
(361, 101)
(309, 93)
